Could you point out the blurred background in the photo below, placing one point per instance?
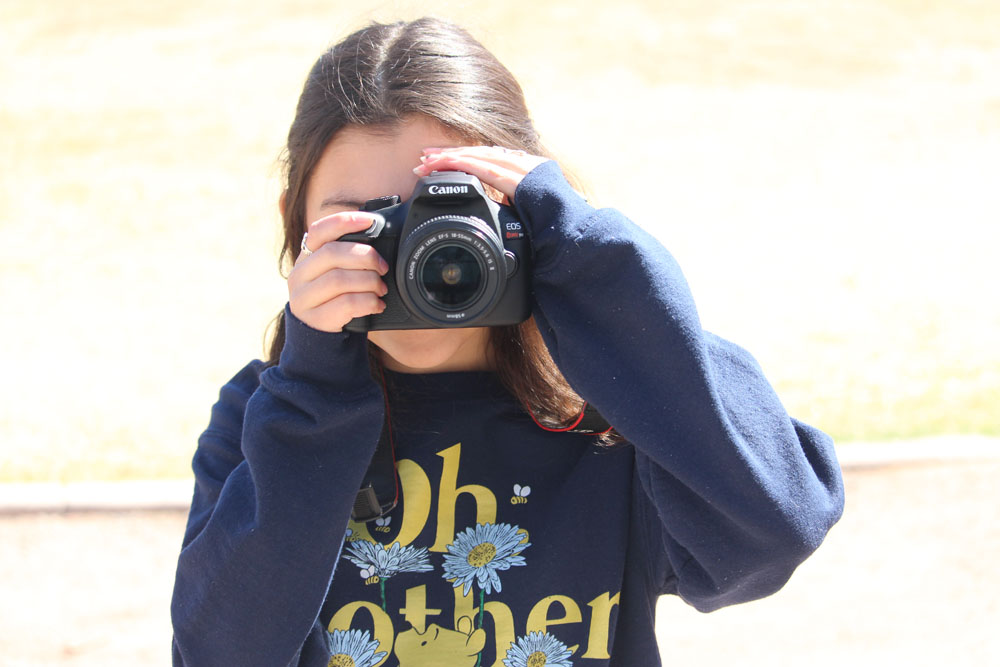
(825, 172)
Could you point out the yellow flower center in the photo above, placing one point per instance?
(342, 660)
(536, 659)
(481, 554)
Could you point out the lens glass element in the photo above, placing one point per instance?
(451, 277)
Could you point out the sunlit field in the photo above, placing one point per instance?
(825, 172)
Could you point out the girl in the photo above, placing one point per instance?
(513, 543)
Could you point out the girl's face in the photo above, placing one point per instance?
(358, 165)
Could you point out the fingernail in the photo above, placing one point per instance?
(383, 265)
(420, 170)
(384, 288)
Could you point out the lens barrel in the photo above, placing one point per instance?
(451, 270)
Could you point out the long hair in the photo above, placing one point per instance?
(376, 78)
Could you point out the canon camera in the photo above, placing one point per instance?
(456, 258)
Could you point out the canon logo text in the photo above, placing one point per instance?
(448, 189)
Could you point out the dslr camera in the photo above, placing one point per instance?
(456, 258)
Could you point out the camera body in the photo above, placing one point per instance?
(456, 258)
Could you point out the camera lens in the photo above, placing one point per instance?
(451, 277)
(451, 270)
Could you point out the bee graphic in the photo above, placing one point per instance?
(351, 536)
(382, 524)
(521, 494)
(369, 576)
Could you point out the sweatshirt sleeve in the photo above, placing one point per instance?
(276, 474)
(737, 492)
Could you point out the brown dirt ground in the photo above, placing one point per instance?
(907, 577)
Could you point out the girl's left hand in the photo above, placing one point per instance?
(500, 168)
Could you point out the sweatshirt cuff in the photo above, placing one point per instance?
(338, 359)
(552, 211)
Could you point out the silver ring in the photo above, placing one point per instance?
(304, 250)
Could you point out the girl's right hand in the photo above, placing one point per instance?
(340, 280)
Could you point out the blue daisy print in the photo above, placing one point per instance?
(352, 648)
(388, 562)
(538, 649)
(479, 553)
(378, 563)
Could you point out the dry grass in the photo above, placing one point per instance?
(825, 172)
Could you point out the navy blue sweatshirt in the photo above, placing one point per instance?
(511, 545)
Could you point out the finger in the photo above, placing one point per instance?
(517, 160)
(332, 227)
(498, 167)
(476, 149)
(337, 312)
(500, 176)
(337, 255)
(334, 283)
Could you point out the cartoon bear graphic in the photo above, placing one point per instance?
(438, 646)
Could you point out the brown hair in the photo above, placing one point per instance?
(376, 78)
